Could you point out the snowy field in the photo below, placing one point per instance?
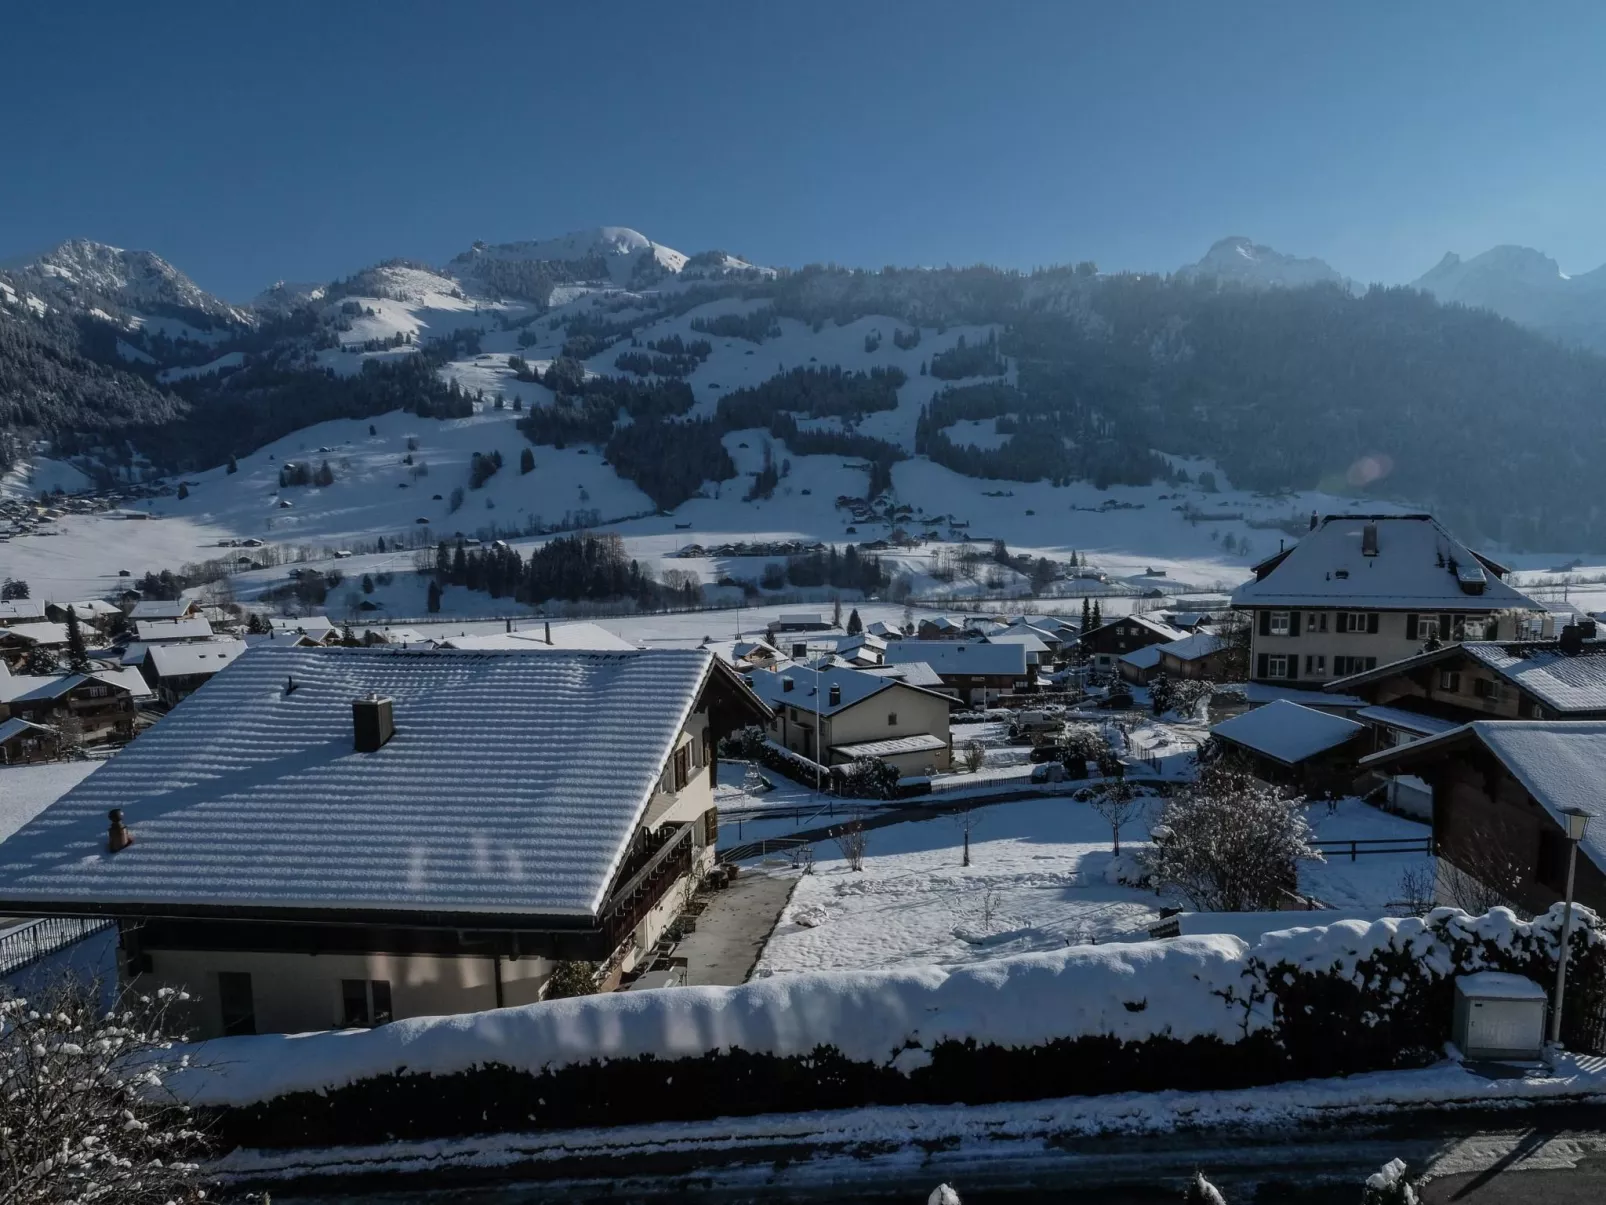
(1037, 881)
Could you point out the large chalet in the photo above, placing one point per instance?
(1361, 591)
(342, 836)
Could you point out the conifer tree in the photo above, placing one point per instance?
(183, 491)
(1087, 616)
(855, 624)
(1098, 619)
(77, 653)
(434, 598)
(234, 465)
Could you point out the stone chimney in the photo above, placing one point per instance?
(118, 836)
(372, 723)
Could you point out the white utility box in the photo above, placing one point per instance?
(1500, 1016)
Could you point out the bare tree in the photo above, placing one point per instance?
(853, 839)
(87, 1115)
(1230, 843)
(1417, 888)
(975, 754)
(1117, 803)
(1477, 873)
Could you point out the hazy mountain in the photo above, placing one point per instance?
(1528, 287)
(1245, 262)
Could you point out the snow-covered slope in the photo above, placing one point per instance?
(1528, 287)
(85, 275)
(1245, 262)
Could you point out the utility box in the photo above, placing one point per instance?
(1500, 1016)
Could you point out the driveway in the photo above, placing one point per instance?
(733, 928)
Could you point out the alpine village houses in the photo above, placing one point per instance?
(851, 714)
(343, 836)
(1362, 591)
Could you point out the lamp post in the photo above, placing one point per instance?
(1576, 821)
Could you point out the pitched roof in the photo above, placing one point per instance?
(1028, 640)
(1564, 682)
(160, 608)
(149, 631)
(1154, 625)
(316, 626)
(1287, 732)
(921, 743)
(38, 633)
(853, 686)
(21, 608)
(187, 658)
(1561, 763)
(1408, 721)
(1146, 657)
(1191, 648)
(961, 657)
(15, 727)
(913, 673)
(513, 785)
(1418, 565)
(590, 636)
(128, 678)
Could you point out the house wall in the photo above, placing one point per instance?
(1479, 810)
(28, 747)
(917, 714)
(295, 993)
(1388, 643)
(1212, 666)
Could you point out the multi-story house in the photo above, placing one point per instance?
(343, 836)
(1363, 590)
(849, 714)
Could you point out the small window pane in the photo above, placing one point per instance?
(353, 1002)
(235, 1003)
(381, 989)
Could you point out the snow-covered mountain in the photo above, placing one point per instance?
(128, 286)
(1528, 287)
(1246, 262)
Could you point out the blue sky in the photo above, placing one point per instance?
(248, 143)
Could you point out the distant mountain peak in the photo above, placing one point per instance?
(1244, 261)
(85, 274)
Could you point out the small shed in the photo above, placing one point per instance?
(1283, 742)
(1499, 1016)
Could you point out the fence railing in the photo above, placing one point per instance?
(1375, 845)
(759, 849)
(29, 943)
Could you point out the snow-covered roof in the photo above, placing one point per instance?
(853, 687)
(13, 609)
(1287, 732)
(1562, 681)
(160, 608)
(38, 633)
(1259, 693)
(1030, 641)
(1561, 763)
(1498, 985)
(1406, 721)
(590, 636)
(1191, 648)
(885, 630)
(1144, 621)
(1146, 657)
(513, 785)
(914, 673)
(184, 659)
(15, 727)
(949, 657)
(151, 631)
(316, 626)
(93, 608)
(1417, 566)
(921, 743)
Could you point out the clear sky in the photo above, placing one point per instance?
(249, 143)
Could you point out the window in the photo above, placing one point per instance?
(892, 719)
(1525, 708)
(1487, 690)
(364, 1002)
(682, 767)
(1450, 681)
(1427, 627)
(235, 1003)
(1472, 628)
(1315, 663)
(1277, 667)
(1343, 667)
(1550, 868)
(1316, 621)
(1356, 621)
(1279, 623)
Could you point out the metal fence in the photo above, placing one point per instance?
(33, 941)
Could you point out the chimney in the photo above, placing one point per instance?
(1313, 520)
(800, 652)
(549, 631)
(786, 685)
(372, 723)
(117, 835)
(1572, 639)
(1369, 540)
(835, 696)
(1587, 627)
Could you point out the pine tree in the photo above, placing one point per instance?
(836, 605)
(234, 465)
(13, 588)
(367, 583)
(1087, 617)
(183, 491)
(434, 598)
(855, 624)
(77, 653)
(526, 461)
(1098, 619)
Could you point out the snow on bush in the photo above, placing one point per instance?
(1189, 1013)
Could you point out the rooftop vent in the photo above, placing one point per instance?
(836, 696)
(1572, 639)
(372, 723)
(786, 685)
(1369, 539)
(117, 834)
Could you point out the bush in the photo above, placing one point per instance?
(572, 977)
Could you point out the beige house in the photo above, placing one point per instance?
(1361, 591)
(851, 714)
(330, 837)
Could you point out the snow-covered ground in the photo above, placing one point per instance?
(1368, 880)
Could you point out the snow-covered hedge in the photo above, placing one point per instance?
(1190, 1013)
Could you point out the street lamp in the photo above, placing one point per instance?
(1576, 820)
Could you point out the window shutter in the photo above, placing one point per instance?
(1293, 623)
(1265, 624)
(1491, 629)
(1410, 627)
(1260, 663)
(1444, 627)
(1293, 668)
(1371, 624)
